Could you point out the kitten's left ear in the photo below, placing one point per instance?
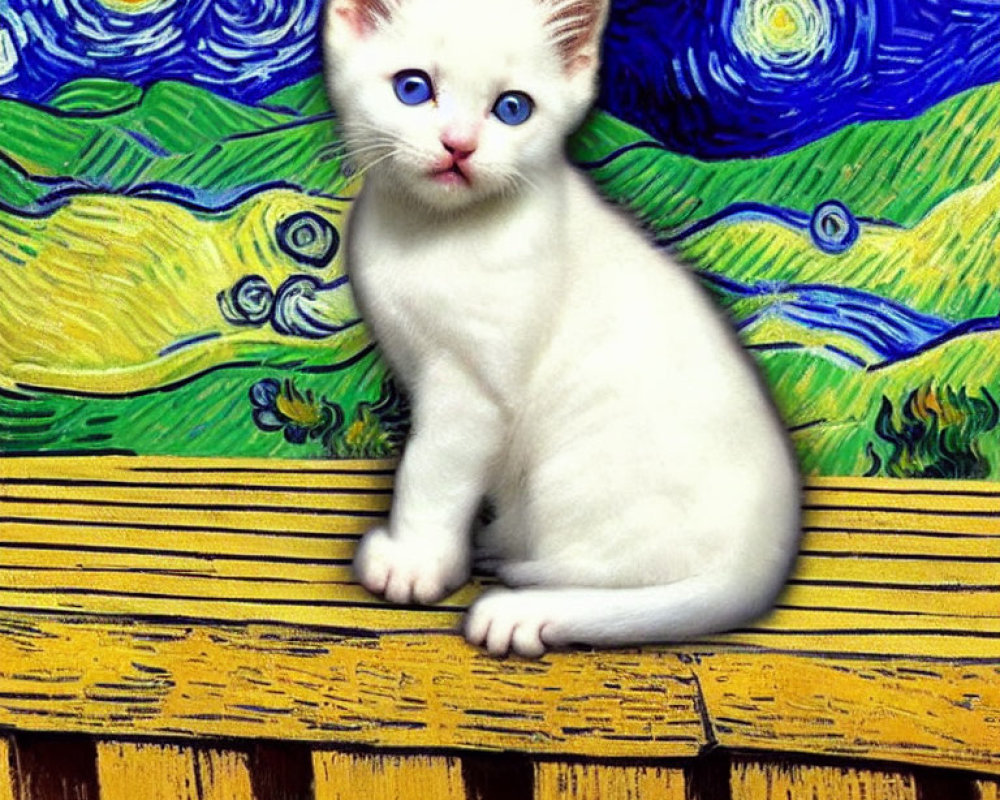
(575, 27)
(355, 19)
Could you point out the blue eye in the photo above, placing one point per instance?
(513, 108)
(413, 87)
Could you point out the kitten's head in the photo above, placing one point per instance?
(455, 101)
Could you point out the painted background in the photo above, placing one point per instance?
(172, 205)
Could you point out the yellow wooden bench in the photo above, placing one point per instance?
(192, 626)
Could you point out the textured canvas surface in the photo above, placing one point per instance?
(172, 209)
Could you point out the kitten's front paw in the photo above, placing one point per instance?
(505, 621)
(404, 573)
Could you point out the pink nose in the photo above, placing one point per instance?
(459, 148)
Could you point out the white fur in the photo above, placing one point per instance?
(557, 361)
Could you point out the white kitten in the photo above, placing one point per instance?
(558, 363)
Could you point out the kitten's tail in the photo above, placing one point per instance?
(691, 607)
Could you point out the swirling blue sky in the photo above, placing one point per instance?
(714, 78)
(725, 78)
(243, 49)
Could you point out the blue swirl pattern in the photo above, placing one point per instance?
(244, 49)
(739, 78)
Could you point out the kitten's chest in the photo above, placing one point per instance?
(477, 295)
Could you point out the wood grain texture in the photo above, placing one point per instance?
(275, 682)
(293, 684)
(348, 776)
(129, 771)
(886, 643)
(762, 781)
(914, 712)
(575, 781)
(887, 568)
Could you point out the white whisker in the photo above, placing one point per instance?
(368, 166)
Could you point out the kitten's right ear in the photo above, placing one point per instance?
(575, 27)
(356, 19)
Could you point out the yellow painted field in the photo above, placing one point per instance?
(88, 312)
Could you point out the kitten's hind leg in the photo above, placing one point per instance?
(554, 572)
(526, 573)
(496, 544)
(487, 552)
(503, 620)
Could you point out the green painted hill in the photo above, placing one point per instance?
(15, 191)
(833, 429)
(180, 118)
(886, 170)
(95, 94)
(41, 142)
(307, 98)
(293, 154)
(177, 133)
(171, 118)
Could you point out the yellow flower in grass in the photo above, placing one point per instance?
(299, 415)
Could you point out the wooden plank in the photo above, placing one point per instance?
(909, 545)
(916, 712)
(348, 776)
(891, 522)
(192, 565)
(945, 603)
(332, 498)
(303, 518)
(910, 645)
(154, 772)
(110, 582)
(851, 483)
(363, 619)
(405, 691)
(988, 790)
(33, 549)
(750, 780)
(207, 542)
(934, 631)
(127, 771)
(916, 497)
(182, 470)
(327, 584)
(7, 777)
(822, 632)
(817, 622)
(921, 572)
(292, 684)
(602, 781)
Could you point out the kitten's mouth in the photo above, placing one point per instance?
(452, 175)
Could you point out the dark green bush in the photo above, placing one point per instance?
(377, 430)
(934, 435)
